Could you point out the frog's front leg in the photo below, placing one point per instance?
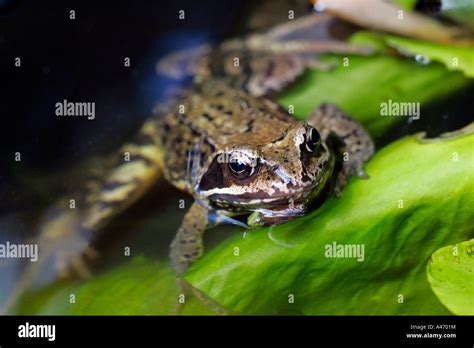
(187, 244)
(354, 143)
(187, 247)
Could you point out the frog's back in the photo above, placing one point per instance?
(210, 118)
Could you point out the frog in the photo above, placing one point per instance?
(242, 155)
(229, 145)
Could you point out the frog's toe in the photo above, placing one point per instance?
(356, 168)
(80, 267)
(362, 174)
(338, 191)
(345, 174)
(91, 253)
(69, 267)
(63, 271)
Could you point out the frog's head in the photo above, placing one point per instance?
(276, 179)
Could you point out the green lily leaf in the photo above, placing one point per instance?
(138, 287)
(453, 57)
(451, 275)
(366, 82)
(406, 4)
(418, 198)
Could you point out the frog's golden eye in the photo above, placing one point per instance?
(241, 170)
(313, 139)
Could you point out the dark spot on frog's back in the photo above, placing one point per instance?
(213, 178)
(249, 126)
(219, 107)
(207, 116)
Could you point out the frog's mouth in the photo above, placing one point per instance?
(252, 200)
(256, 201)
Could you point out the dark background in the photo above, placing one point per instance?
(83, 60)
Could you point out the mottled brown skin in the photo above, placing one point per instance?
(214, 121)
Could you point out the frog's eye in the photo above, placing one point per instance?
(313, 139)
(240, 169)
